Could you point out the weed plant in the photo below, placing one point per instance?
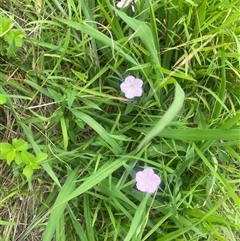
(60, 95)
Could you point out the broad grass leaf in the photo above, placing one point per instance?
(59, 206)
(87, 29)
(213, 218)
(99, 129)
(113, 191)
(144, 33)
(201, 134)
(106, 170)
(47, 167)
(231, 188)
(173, 235)
(6, 223)
(77, 226)
(167, 117)
(137, 219)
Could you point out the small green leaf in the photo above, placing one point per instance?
(11, 50)
(14, 36)
(55, 95)
(81, 76)
(18, 158)
(4, 149)
(18, 37)
(20, 144)
(35, 166)
(130, 106)
(5, 26)
(27, 158)
(4, 146)
(2, 47)
(28, 171)
(2, 100)
(71, 93)
(10, 156)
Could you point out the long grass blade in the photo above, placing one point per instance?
(167, 117)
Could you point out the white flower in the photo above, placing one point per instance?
(125, 3)
(132, 87)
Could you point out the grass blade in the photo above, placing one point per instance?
(201, 134)
(59, 206)
(87, 29)
(167, 118)
(99, 129)
(137, 219)
(106, 170)
(144, 33)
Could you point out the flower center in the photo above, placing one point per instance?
(147, 181)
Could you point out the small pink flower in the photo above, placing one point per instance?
(147, 181)
(132, 87)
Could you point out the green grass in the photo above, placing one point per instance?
(60, 92)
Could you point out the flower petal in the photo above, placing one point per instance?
(130, 80)
(148, 172)
(140, 176)
(124, 87)
(130, 93)
(138, 82)
(123, 3)
(155, 179)
(151, 188)
(141, 186)
(137, 92)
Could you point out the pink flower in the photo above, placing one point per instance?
(147, 181)
(132, 87)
